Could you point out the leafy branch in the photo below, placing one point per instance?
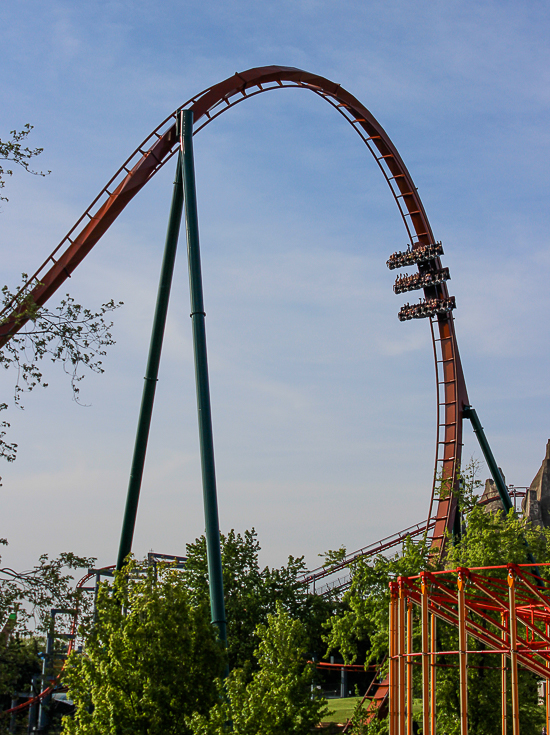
(34, 592)
(71, 334)
(14, 151)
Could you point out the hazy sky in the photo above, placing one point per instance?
(323, 403)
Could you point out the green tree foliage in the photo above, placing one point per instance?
(493, 539)
(28, 598)
(365, 617)
(19, 662)
(150, 660)
(33, 593)
(252, 593)
(276, 700)
(15, 151)
(487, 540)
(70, 334)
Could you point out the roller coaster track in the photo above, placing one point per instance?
(378, 547)
(159, 147)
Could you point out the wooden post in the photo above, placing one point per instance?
(425, 659)
(513, 650)
(462, 652)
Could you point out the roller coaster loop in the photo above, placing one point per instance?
(159, 147)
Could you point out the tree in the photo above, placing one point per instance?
(252, 593)
(276, 700)
(150, 658)
(14, 151)
(77, 338)
(70, 334)
(27, 598)
(487, 540)
(364, 620)
(33, 593)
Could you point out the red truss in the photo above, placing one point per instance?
(488, 604)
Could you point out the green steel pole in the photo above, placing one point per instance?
(213, 550)
(470, 413)
(151, 374)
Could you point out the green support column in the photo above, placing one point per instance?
(470, 413)
(151, 374)
(215, 575)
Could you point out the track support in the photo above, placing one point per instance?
(470, 413)
(213, 550)
(151, 373)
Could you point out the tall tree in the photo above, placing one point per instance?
(150, 659)
(276, 699)
(488, 540)
(253, 593)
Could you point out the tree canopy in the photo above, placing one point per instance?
(151, 658)
(276, 699)
(253, 593)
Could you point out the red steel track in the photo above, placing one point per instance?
(162, 144)
(378, 547)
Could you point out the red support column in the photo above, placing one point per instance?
(393, 672)
(513, 649)
(425, 657)
(410, 678)
(462, 651)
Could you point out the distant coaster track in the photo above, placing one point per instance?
(159, 147)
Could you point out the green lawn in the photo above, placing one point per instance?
(343, 709)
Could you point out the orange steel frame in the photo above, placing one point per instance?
(506, 608)
(159, 147)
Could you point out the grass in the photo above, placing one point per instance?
(343, 709)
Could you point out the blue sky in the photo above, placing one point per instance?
(323, 403)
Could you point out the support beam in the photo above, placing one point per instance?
(393, 668)
(151, 373)
(503, 682)
(547, 689)
(433, 674)
(470, 413)
(410, 679)
(198, 315)
(463, 652)
(513, 630)
(425, 656)
(402, 684)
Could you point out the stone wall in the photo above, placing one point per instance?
(536, 504)
(490, 499)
